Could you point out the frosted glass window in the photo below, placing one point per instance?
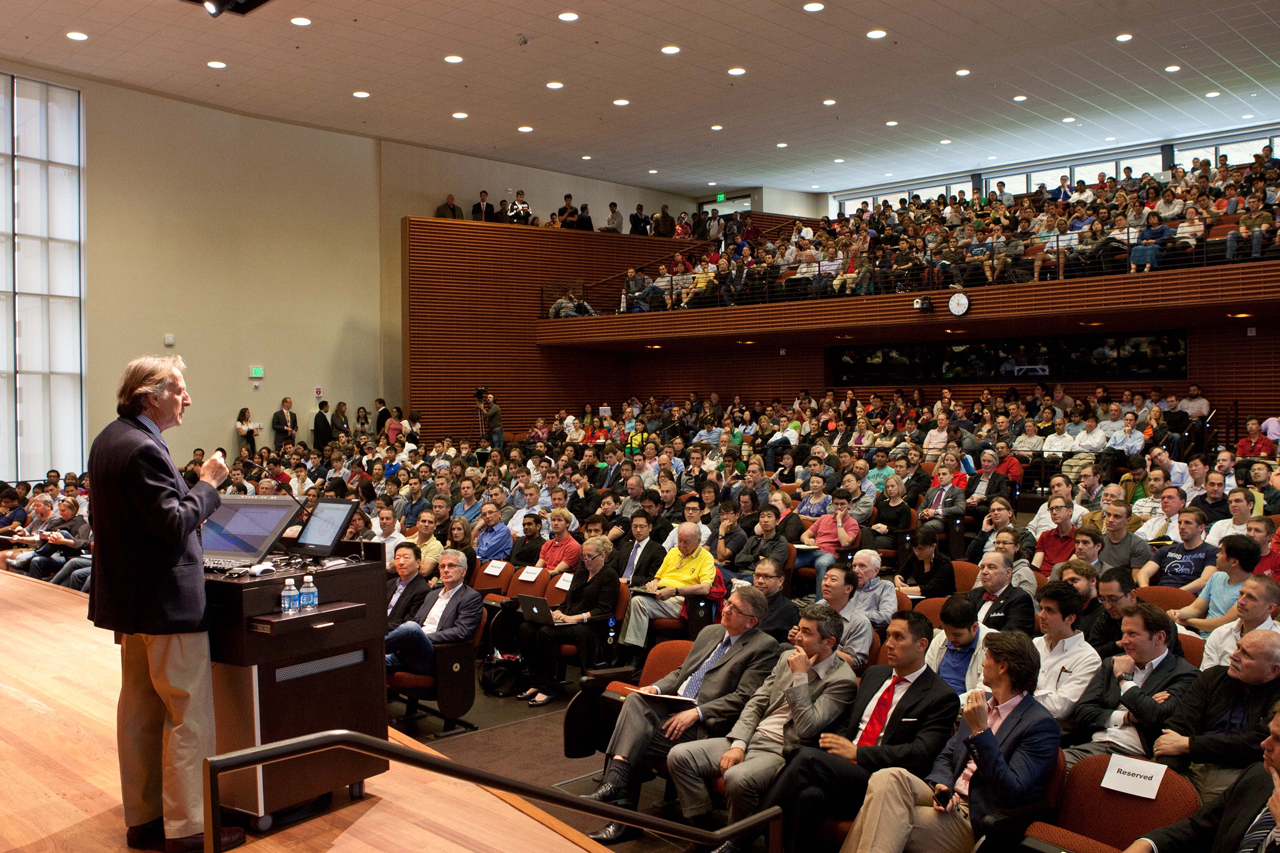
(64, 126)
(1151, 163)
(29, 264)
(1241, 153)
(64, 202)
(6, 342)
(65, 417)
(8, 437)
(1089, 171)
(1048, 177)
(64, 268)
(28, 119)
(33, 425)
(927, 193)
(29, 198)
(64, 335)
(32, 333)
(6, 113)
(1015, 184)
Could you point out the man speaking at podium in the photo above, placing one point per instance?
(148, 586)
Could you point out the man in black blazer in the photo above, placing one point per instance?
(383, 415)
(902, 717)
(284, 424)
(1000, 604)
(408, 589)
(1241, 819)
(148, 586)
(727, 663)
(321, 429)
(984, 485)
(449, 614)
(482, 211)
(637, 560)
(1144, 684)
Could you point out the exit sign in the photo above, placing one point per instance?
(719, 196)
(256, 372)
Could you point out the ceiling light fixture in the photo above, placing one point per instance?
(525, 129)
(890, 124)
(555, 85)
(944, 141)
(838, 160)
(359, 94)
(1123, 37)
(1110, 139)
(670, 49)
(876, 34)
(1019, 98)
(77, 36)
(828, 103)
(737, 72)
(1068, 120)
(963, 72)
(453, 60)
(711, 183)
(653, 171)
(459, 115)
(1249, 116)
(653, 346)
(1172, 68)
(568, 16)
(1212, 94)
(300, 22)
(1238, 316)
(888, 174)
(621, 102)
(717, 127)
(217, 7)
(813, 7)
(746, 342)
(1090, 324)
(586, 156)
(813, 186)
(992, 157)
(782, 145)
(216, 64)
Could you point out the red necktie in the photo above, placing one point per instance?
(988, 596)
(879, 715)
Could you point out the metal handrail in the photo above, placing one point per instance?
(216, 765)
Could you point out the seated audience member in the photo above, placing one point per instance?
(389, 535)
(1262, 529)
(1009, 543)
(1213, 502)
(1111, 493)
(1240, 505)
(984, 485)
(449, 614)
(1257, 603)
(1236, 561)
(767, 543)
(592, 594)
(874, 596)
(637, 559)
(1144, 497)
(836, 529)
(810, 687)
(1162, 527)
(561, 553)
(977, 775)
(957, 651)
(692, 510)
(1058, 543)
(837, 589)
(932, 574)
(25, 539)
(1084, 577)
(1242, 820)
(1120, 547)
(1133, 694)
(1184, 563)
(492, 537)
(783, 614)
(726, 665)
(942, 503)
(75, 573)
(1000, 604)
(902, 717)
(527, 548)
(686, 570)
(407, 590)
(62, 540)
(1067, 661)
(1219, 724)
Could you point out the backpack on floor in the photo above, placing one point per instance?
(503, 676)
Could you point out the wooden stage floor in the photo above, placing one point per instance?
(59, 778)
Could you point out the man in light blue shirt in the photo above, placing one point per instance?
(493, 538)
(875, 597)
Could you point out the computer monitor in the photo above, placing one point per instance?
(329, 519)
(245, 528)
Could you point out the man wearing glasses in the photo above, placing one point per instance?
(783, 613)
(449, 614)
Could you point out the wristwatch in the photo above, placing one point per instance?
(1128, 676)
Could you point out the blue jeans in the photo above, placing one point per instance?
(74, 574)
(43, 567)
(495, 439)
(1255, 236)
(730, 575)
(820, 561)
(408, 648)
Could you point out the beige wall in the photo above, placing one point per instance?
(794, 203)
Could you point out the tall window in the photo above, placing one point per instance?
(41, 352)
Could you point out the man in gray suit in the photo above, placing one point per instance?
(449, 614)
(808, 689)
(942, 502)
(721, 672)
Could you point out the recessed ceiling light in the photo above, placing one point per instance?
(459, 115)
(1239, 315)
(1172, 68)
(888, 174)
(653, 171)
(828, 103)
(737, 72)
(711, 183)
(813, 186)
(1090, 324)
(1250, 115)
(782, 145)
(555, 85)
(653, 346)
(746, 342)
(1068, 120)
(568, 16)
(992, 157)
(1109, 139)
(717, 127)
(453, 59)
(813, 7)
(839, 160)
(1123, 37)
(890, 124)
(525, 129)
(621, 102)
(876, 34)
(586, 156)
(216, 64)
(1019, 98)
(300, 22)
(963, 72)
(77, 36)
(1212, 94)
(359, 94)
(944, 141)
(670, 49)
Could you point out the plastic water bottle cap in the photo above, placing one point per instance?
(306, 578)
(288, 582)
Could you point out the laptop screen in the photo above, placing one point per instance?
(329, 520)
(245, 527)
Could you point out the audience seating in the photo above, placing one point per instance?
(1093, 819)
(1165, 597)
(904, 601)
(966, 575)
(931, 608)
(452, 688)
(587, 657)
(873, 655)
(1192, 648)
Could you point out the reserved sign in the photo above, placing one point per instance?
(495, 568)
(1133, 776)
(530, 574)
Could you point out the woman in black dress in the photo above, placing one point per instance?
(925, 572)
(892, 515)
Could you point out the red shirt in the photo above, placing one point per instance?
(824, 531)
(1056, 548)
(1262, 447)
(1011, 468)
(1269, 565)
(554, 553)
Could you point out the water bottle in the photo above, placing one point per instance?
(289, 599)
(309, 597)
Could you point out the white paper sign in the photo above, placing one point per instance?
(565, 579)
(530, 573)
(1133, 776)
(495, 568)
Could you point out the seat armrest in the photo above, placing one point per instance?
(613, 673)
(489, 590)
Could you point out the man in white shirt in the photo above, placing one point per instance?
(1197, 476)
(1060, 442)
(388, 534)
(1163, 526)
(1178, 472)
(1154, 485)
(449, 614)
(1240, 505)
(300, 481)
(1060, 486)
(935, 441)
(1258, 602)
(1114, 421)
(1067, 661)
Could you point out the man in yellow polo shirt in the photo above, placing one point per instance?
(686, 570)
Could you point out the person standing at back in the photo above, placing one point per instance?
(284, 424)
(148, 586)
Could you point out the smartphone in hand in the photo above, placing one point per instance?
(942, 798)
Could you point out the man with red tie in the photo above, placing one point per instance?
(902, 717)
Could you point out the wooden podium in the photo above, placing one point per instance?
(277, 677)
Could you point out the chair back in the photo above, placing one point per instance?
(966, 575)
(665, 658)
(498, 582)
(553, 593)
(791, 561)
(873, 655)
(1165, 597)
(537, 586)
(931, 609)
(1192, 649)
(1115, 818)
(904, 601)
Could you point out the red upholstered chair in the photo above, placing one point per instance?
(554, 594)
(966, 575)
(1164, 597)
(452, 688)
(1192, 649)
(494, 587)
(537, 586)
(889, 556)
(931, 608)
(587, 657)
(1093, 819)
(873, 655)
(904, 601)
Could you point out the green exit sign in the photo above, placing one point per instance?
(256, 372)
(719, 196)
